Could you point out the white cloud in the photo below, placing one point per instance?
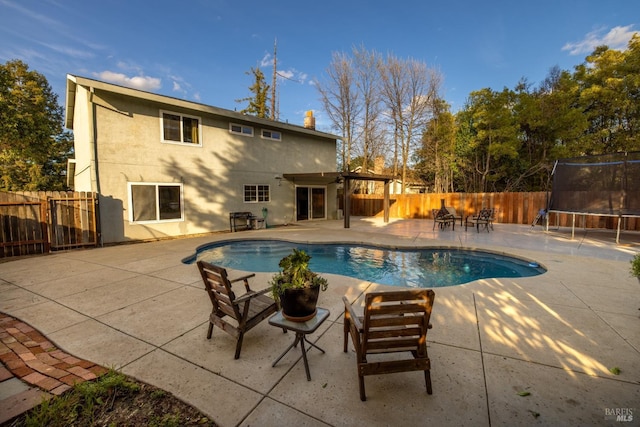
(617, 38)
(290, 74)
(126, 66)
(35, 16)
(137, 82)
(69, 51)
(180, 85)
(266, 61)
(47, 27)
(293, 75)
(287, 74)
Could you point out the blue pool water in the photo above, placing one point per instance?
(417, 268)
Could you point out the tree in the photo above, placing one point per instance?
(551, 127)
(496, 141)
(369, 98)
(258, 103)
(340, 100)
(464, 173)
(609, 82)
(351, 98)
(437, 155)
(33, 146)
(409, 92)
(368, 84)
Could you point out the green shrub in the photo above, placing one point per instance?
(635, 266)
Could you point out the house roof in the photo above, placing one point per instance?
(73, 81)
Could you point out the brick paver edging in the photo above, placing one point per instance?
(27, 354)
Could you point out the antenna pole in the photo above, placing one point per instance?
(274, 112)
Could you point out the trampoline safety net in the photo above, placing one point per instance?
(607, 184)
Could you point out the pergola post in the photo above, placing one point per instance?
(347, 201)
(386, 200)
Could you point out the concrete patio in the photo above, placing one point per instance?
(140, 309)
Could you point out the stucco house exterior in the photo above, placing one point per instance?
(167, 167)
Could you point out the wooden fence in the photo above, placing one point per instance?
(38, 222)
(511, 208)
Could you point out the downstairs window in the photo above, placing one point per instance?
(151, 202)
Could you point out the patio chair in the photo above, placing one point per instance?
(454, 214)
(483, 218)
(443, 219)
(247, 311)
(393, 322)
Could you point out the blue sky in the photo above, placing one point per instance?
(200, 50)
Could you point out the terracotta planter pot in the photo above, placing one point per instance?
(299, 305)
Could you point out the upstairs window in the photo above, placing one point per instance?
(180, 129)
(240, 129)
(271, 134)
(256, 193)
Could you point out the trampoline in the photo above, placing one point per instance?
(604, 185)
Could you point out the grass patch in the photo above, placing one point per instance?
(113, 399)
(83, 402)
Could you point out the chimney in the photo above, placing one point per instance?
(378, 165)
(310, 121)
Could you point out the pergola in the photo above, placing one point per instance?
(346, 178)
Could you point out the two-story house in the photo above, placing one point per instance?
(165, 167)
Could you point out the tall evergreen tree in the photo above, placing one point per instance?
(258, 102)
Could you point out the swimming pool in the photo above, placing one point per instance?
(416, 268)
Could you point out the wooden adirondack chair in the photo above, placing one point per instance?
(248, 310)
(393, 322)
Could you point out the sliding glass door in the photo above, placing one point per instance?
(311, 203)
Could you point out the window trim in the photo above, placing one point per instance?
(242, 128)
(157, 185)
(271, 138)
(181, 142)
(256, 187)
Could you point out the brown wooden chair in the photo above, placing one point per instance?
(393, 322)
(248, 310)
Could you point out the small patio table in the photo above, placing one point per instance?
(301, 329)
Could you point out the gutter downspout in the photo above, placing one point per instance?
(94, 142)
(96, 175)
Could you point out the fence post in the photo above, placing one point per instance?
(44, 227)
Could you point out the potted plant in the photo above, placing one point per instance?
(296, 287)
(635, 266)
